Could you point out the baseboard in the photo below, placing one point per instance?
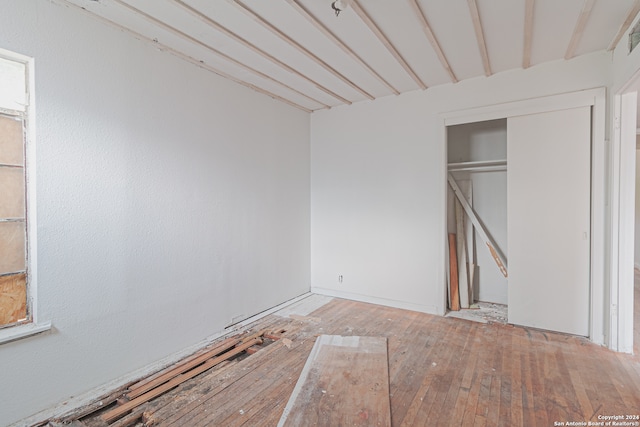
(422, 308)
(68, 407)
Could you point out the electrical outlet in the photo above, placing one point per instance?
(340, 278)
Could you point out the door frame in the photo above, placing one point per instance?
(596, 99)
(622, 164)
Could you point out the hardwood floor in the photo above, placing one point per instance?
(442, 371)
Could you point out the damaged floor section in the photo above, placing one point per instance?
(483, 312)
(441, 370)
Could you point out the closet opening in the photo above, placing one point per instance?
(477, 288)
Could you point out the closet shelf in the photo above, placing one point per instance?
(479, 166)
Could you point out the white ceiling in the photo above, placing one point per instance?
(299, 52)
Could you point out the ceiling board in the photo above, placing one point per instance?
(505, 38)
(451, 24)
(350, 29)
(411, 43)
(604, 21)
(553, 25)
(328, 75)
(282, 16)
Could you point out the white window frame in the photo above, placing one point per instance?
(34, 325)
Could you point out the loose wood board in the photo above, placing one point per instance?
(345, 381)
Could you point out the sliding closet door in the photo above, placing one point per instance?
(548, 202)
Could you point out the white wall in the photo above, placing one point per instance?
(170, 201)
(378, 182)
(637, 211)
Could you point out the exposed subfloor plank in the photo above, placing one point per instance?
(442, 371)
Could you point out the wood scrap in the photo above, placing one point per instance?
(276, 334)
(123, 409)
(172, 373)
(221, 346)
(75, 423)
(272, 336)
(453, 273)
(100, 403)
(287, 342)
(463, 277)
(253, 336)
(467, 189)
(497, 255)
(253, 350)
(130, 419)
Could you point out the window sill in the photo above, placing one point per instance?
(23, 331)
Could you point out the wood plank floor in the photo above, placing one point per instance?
(442, 371)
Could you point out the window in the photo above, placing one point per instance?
(14, 237)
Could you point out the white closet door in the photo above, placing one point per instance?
(548, 202)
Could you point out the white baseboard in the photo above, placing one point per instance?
(68, 407)
(429, 309)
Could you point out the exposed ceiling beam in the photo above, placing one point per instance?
(482, 45)
(204, 45)
(633, 12)
(204, 18)
(299, 47)
(432, 39)
(385, 41)
(324, 30)
(528, 32)
(185, 57)
(579, 29)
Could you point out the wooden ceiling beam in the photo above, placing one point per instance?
(528, 33)
(633, 12)
(204, 18)
(385, 41)
(266, 24)
(432, 39)
(482, 44)
(213, 50)
(185, 57)
(579, 29)
(327, 33)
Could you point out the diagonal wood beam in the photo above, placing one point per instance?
(496, 253)
(204, 18)
(528, 33)
(266, 24)
(633, 12)
(432, 39)
(579, 29)
(482, 45)
(385, 41)
(185, 57)
(204, 45)
(324, 30)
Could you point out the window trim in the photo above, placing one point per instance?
(33, 325)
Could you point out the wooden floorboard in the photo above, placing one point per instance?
(442, 371)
